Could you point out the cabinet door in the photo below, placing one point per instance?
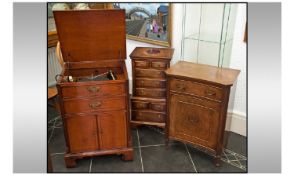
(82, 133)
(191, 121)
(112, 130)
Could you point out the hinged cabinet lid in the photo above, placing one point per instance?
(91, 35)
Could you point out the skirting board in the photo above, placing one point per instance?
(236, 122)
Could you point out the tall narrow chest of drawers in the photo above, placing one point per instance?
(198, 98)
(148, 102)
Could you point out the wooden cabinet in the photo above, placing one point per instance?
(149, 85)
(198, 98)
(95, 112)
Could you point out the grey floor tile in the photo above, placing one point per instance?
(204, 163)
(58, 164)
(160, 159)
(237, 143)
(114, 163)
(57, 142)
(149, 136)
(51, 111)
(134, 137)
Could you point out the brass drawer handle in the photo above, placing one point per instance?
(158, 107)
(140, 106)
(210, 92)
(193, 120)
(95, 105)
(159, 73)
(181, 87)
(93, 89)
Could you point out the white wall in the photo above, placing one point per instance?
(237, 104)
(238, 61)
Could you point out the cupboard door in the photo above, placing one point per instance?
(82, 133)
(112, 130)
(193, 122)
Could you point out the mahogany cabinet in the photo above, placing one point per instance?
(94, 111)
(148, 102)
(197, 104)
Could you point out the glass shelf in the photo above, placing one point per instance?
(210, 38)
(208, 30)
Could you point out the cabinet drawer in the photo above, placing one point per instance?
(141, 82)
(144, 64)
(148, 105)
(93, 90)
(148, 116)
(149, 73)
(155, 93)
(140, 105)
(198, 89)
(158, 106)
(158, 65)
(93, 104)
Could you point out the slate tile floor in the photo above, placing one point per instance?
(150, 154)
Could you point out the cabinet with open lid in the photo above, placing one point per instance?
(93, 86)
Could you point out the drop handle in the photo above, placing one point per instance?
(95, 105)
(193, 119)
(210, 92)
(93, 89)
(181, 87)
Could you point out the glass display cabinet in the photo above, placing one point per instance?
(208, 39)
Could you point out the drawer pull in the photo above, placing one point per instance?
(158, 107)
(181, 87)
(95, 105)
(141, 106)
(210, 93)
(193, 120)
(93, 89)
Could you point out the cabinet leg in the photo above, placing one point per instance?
(127, 156)
(216, 161)
(70, 162)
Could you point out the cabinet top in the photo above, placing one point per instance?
(91, 35)
(150, 52)
(223, 76)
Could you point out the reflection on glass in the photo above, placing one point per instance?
(210, 33)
